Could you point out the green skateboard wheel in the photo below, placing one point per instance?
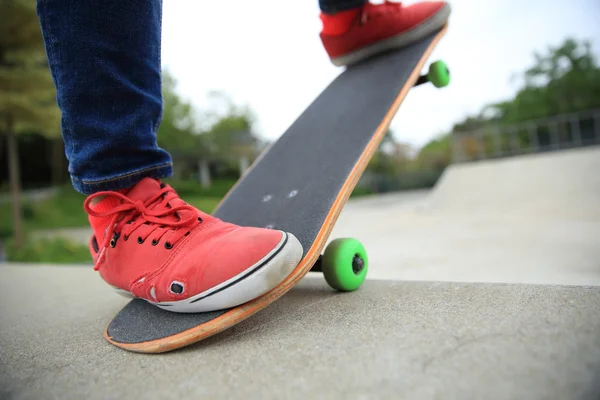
(439, 74)
(345, 264)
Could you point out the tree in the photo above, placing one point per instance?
(382, 161)
(230, 131)
(179, 127)
(436, 154)
(27, 93)
(564, 79)
(232, 135)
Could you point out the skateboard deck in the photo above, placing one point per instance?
(299, 185)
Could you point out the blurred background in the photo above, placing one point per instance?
(525, 81)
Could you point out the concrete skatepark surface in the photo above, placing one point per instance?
(528, 219)
(388, 340)
(474, 292)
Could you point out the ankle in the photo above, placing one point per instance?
(338, 23)
(101, 204)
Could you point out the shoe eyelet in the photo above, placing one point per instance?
(140, 240)
(200, 219)
(187, 233)
(113, 241)
(168, 246)
(125, 238)
(176, 287)
(154, 242)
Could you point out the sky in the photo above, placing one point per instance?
(268, 55)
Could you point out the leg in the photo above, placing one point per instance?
(105, 61)
(354, 30)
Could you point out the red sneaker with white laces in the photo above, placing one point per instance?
(154, 246)
(353, 35)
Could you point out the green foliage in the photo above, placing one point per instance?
(385, 161)
(564, 79)
(203, 203)
(436, 154)
(56, 250)
(218, 188)
(27, 93)
(360, 191)
(63, 210)
(222, 133)
(178, 132)
(229, 129)
(393, 168)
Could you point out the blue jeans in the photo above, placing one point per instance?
(333, 6)
(104, 57)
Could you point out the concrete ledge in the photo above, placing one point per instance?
(390, 339)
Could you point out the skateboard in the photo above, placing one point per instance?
(300, 185)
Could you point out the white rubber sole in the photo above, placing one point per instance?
(404, 39)
(255, 281)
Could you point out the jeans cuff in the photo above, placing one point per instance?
(122, 181)
(332, 7)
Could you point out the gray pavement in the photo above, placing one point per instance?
(389, 340)
(474, 291)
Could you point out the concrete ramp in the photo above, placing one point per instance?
(528, 219)
(559, 183)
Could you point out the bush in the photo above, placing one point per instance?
(361, 191)
(64, 209)
(56, 250)
(192, 188)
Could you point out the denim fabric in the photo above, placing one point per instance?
(105, 62)
(333, 6)
(104, 57)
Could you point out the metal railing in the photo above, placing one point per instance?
(547, 134)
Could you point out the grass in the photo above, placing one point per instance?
(55, 250)
(205, 204)
(190, 188)
(65, 209)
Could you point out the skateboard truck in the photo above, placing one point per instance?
(438, 75)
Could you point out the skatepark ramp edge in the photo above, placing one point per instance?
(562, 181)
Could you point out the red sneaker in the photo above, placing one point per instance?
(354, 35)
(156, 247)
